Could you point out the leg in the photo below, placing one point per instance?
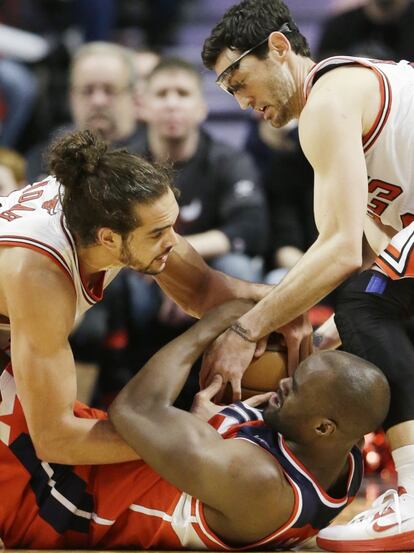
(371, 315)
(372, 325)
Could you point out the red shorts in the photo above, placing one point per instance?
(46, 505)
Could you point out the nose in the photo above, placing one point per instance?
(98, 97)
(171, 239)
(171, 99)
(244, 103)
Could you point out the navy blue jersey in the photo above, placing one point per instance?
(314, 508)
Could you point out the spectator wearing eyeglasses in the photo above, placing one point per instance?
(102, 81)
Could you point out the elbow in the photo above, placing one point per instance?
(120, 413)
(54, 445)
(47, 451)
(115, 414)
(348, 258)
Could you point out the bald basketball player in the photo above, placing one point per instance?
(275, 484)
(356, 127)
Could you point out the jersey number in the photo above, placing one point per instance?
(383, 194)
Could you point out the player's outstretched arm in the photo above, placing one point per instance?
(41, 301)
(331, 129)
(224, 474)
(191, 283)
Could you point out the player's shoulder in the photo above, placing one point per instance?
(252, 463)
(347, 85)
(23, 266)
(250, 471)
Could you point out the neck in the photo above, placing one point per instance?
(327, 463)
(300, 70)
(95, 259)
(173, 150)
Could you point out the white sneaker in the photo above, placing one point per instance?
(387, 526)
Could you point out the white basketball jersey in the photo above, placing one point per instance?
(32, 218)
(388, 146)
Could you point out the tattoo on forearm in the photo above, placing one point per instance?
(244, 333)
(317, 339)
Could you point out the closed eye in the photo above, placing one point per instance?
(236, 88)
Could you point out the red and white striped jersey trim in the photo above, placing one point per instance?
(385, 91)
(41, 247)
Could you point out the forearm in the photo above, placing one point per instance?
(160, 381)
(209, 244)
(322, 268)
(209, 289)
(221, 287)
(326, 336)
(84, 442)
(196, 288)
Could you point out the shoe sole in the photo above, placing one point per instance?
(400, 542)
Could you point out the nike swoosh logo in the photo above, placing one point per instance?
(377, 528)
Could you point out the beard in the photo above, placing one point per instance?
(278, 422)
(128, 259)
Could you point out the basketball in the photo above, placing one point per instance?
(262, 375)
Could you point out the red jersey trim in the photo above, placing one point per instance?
(388, 270)
(398, 263)
(91, 296)
(209, 538)
(386, 101)
(40, 247)
(323, 496)
(370, 138)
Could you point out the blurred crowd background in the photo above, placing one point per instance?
(131, 70)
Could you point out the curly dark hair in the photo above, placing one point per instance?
(245, 25)
(101, 187)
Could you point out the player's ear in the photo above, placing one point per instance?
(326, 427)
(279, 46)
(108, 238)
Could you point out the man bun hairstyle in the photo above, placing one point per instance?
(246, 24)
(100, 187)
(75, 157)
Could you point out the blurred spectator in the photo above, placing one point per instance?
(102, 98)
(288, 182)
(18, 84)
(376, 25)
(222, 214)
(145, 60)
(221, 200)
(18, 90)
(12, 171)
